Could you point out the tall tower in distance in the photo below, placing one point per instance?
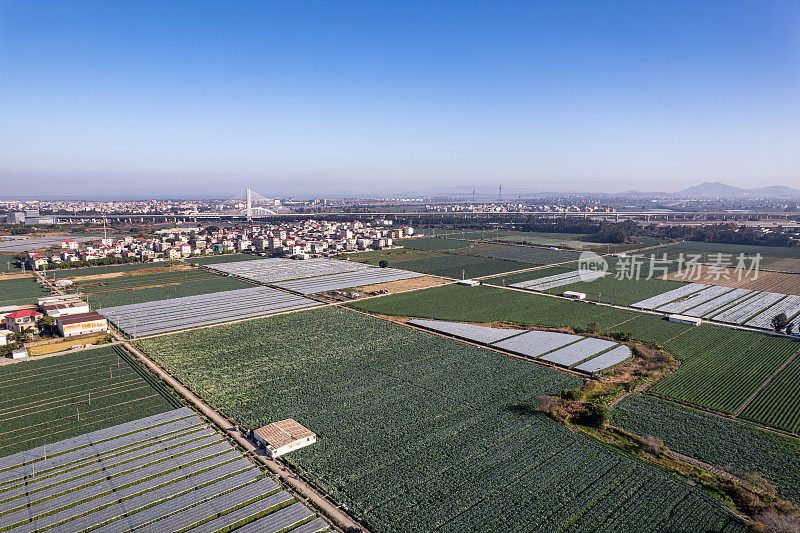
(249, 198)
(500, 193)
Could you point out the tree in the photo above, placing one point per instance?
(789, 328)
(383, 263)
(779, 322)
(48, 323)
(597, 415)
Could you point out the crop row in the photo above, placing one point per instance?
(778, 405)
(50, 399)
(721, 442)
(727, 373)
(415, 431)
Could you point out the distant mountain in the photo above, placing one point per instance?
(718, 189)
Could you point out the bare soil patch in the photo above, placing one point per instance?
(404, 284)
(141, 271)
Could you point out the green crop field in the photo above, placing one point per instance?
(51, 399)
(489, 304)
(432, 244)
(528, 254)
(721, 367)
(778, 405)
(7, 263)
(456, 265)
(519, 277)
(141, 288)
(393, 256)
(419, 433)
(651, 329)
(619, 291)
(68, 273)
(222, 258)
(724, 443)
(20, 291)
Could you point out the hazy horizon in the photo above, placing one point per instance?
(201, 99)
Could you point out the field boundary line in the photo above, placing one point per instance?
(477, 344)
(723, 415)
(765, 384)
(687, 330)
(316, 499)
(625, 321)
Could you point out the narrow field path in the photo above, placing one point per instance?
(303, 490)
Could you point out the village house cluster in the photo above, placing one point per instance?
(291, 239)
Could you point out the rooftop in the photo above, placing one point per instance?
(279, 434)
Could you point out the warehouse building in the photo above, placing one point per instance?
(82, 324)
(57, 306)
(283, 437)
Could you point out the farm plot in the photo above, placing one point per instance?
(606, 360)
(577, 352)
(222, 258)
(529, 275)
(279, 269)
(651, 329)
(435, 243)
(484, 334)
(150, 287)
(167, 472)
(346, 280)
(681, 292)
(727, 444)
(693, 300)
(458, 265)
(762, 280)
(720, 370)
(748, 308)
(557, 280)
(484, 304)
(7, 263)
(778, 405)
(419, 433)
(20, 291)
(166, 316)
(527, 254)
(609, 289)
(720, 303)
(46, 400)
(70, 273)
(537, 343)
(790, 306)
(708, 249)
(25, 244)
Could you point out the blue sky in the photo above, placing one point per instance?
(202, 98)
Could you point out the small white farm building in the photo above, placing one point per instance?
(283, 437)
(575, 295)
(683, 319)
(469, 282)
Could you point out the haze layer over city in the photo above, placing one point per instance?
(400, 267)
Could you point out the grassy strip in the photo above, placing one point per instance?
(156, 383)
